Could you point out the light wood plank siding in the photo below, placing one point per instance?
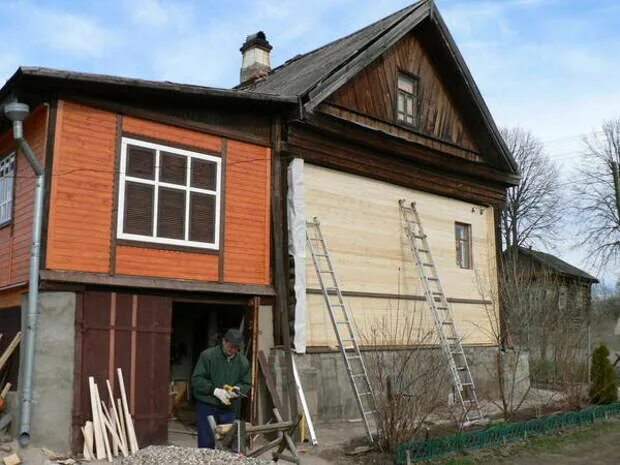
(360, 220)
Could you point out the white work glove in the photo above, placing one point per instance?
(222, 395)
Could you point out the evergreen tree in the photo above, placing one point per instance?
(604, 389)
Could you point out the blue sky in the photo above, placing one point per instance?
(551, 66)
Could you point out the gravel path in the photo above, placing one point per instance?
(173, 455)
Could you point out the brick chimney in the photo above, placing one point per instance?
(256, 53)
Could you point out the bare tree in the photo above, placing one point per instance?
(533, 208)
(597, 191)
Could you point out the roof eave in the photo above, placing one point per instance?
(72, 78)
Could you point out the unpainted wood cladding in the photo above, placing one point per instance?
(373, 92)
(16, 236)
(361, 222)
(82, 229)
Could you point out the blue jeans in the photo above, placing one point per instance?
(221, 415)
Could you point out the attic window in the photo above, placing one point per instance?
(168, 195)
(407, 100)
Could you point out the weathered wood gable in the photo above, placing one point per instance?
(370, 98)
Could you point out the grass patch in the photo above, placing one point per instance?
(536, 445)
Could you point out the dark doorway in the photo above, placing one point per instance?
(195, 327)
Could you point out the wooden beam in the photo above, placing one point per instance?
(103, 279)
(6, 355)
(271, 386)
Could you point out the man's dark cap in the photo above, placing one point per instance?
(233, 336)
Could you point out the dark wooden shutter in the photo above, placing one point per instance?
(204, 174)
(140, 162)
(202, 218)
(171, 213)
(138, 216)
(173, 168)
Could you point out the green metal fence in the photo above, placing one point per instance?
(502, 433)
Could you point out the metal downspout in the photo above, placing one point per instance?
(17, 112)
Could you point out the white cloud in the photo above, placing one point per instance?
(70, 33)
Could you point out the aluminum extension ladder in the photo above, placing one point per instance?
(341, 321)
(442, 314)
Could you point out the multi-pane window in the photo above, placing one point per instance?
(462, 233)
(7, 176)
(407, 100)
(168, 195)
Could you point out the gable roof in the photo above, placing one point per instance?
(556, 264)
(302, 73)
(316, 75)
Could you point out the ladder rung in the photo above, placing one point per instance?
(370, 412)
(447, 322)
(365, 393)
(320, 255)
(343, 322)
(432, 279)
(353, 356)
(423, 250)
(357, 375)
(467, 384)
(420, 236)
(428, 264)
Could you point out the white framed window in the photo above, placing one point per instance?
(462, 235)
(7, 177)
(168, 195)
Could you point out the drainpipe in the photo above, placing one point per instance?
(17, 113)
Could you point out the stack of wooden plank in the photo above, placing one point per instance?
(111, 430)
(4, 358)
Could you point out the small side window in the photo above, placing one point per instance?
(562, 298)
(462, 233)
(7, 177)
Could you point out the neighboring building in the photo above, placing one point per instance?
(166, 217)
(568, 288)
(552, 316)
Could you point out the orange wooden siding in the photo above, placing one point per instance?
(16, 237)
(82, 189)
(86, 138)
(247, 213)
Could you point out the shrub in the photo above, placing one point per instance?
(603, 389)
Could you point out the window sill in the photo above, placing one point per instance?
(6, 223)
(171, 247)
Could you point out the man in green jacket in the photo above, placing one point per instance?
(219, 367)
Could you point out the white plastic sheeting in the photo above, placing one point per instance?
(296, 212)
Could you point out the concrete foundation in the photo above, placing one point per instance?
(328, 389)
(53, 372)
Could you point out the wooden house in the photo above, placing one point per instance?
(170, 212)
(552, 317)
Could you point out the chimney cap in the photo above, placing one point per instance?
(258, 39)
